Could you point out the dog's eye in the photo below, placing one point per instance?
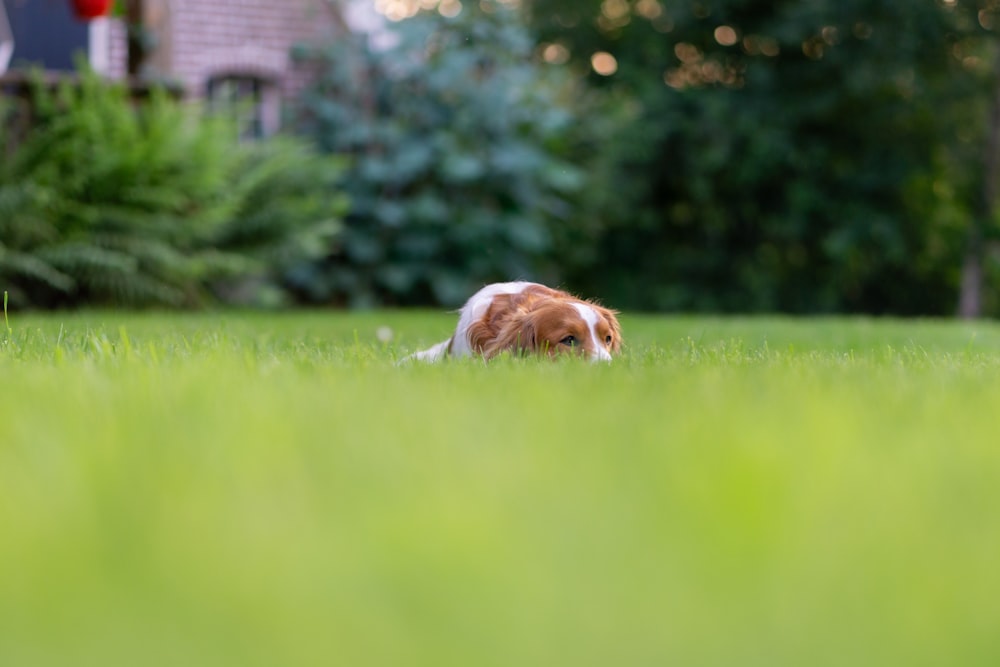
(607, 340)
(568, 340)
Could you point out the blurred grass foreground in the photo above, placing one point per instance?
(272, 490)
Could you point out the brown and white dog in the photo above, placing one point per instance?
(523, 317)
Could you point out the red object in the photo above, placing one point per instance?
(91, 9)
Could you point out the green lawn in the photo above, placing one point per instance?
(271, 489)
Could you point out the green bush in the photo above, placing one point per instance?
(822, 156)
(110, 202)
(466, 161)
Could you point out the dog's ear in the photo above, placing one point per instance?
(480, 336)
(616, 329)
(517, 335)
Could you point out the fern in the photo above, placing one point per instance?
(107, 202)
(17, 267)
(289, 206)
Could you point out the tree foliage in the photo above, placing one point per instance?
(804, 157)
(464, 157)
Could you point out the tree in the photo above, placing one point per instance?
(803, 157)
(464, 160)
(970, 303)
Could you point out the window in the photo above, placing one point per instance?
(249, 100)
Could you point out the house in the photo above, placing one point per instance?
(233, 53)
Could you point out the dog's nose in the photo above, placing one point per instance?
(600, 354)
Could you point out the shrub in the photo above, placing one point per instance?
(823, 156)
(104, 201)
(465, 160)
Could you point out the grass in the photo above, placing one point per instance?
(260, 489)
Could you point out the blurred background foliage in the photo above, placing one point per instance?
(678, 155)
(469, 161)
(729, 155)
(107, 202)
(795, 156)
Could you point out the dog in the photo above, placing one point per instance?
(523, 317)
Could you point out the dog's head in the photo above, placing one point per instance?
(556, 326)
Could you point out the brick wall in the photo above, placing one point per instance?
(116, 55)
(241, 37)
(200, 39)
